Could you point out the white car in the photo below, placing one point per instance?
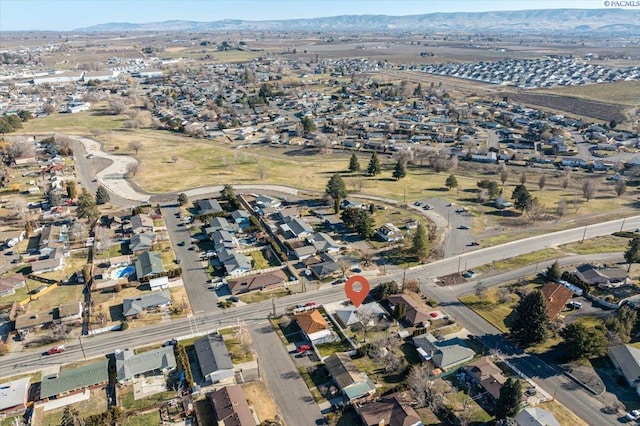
(633, 415)
(469, 274)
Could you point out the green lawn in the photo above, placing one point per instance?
(259, 262)
(607, 244)
(238, 356)
(129, 403)
(493, 312)
(327, 349)
(148, 419)
(79, 123)
(261, 296)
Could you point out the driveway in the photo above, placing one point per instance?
(289, 390)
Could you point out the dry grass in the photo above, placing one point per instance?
(96, 404)
(619, 92)
(488, 308)
(562, 414)
(260, 399)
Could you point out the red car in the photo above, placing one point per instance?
(56, 350)
(303, 348)
(308, 304)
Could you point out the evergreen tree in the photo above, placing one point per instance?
(183, 199)
(451, 182)
(374, 167)
(421, 243)
(230, 195)
(102, 195)
(72, 189)
(400, 170)
(336, 189)
(354, 164)
(508, 404)
(54, 197)
(522, 198)
(71, 417)
(87, 207)
(531, 322)
(553, 272)
(399, 311)
(582, 341)
(308, 125)
(360, 221)
(632, 254)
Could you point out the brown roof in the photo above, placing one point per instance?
(415, 312)
(231, 407)
(69, 309)
(388, 411)
(488, 375)
(557, 297)
(257, 282)
(33, 319)
(311, 322)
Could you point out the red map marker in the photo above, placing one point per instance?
(357, 289)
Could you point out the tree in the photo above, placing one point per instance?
(621, 187)
(308, 125)
(359, 221)
(492, 187)
(504, 174)
(229, 195)
(183, 199)
(523, 177)
(613, 124)
(132, 169)
(87, 207)
(262, 170)
(553, 272)
(336, 189)
(354, 164)
(589, 189)
(542, 181)
(374, 167)
(400, 170)
(71, 417)
(632, 254)
(508, 404)
(102, 195)
(421, 247)
(561, 208)
(451, 182)
(135, 146)
(582, 341)
(621, 324)
(522, 198)
(54, 197)
(399, 310)
(422, 389)
(72, 189)
(531, 320)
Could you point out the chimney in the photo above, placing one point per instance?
(381, 422)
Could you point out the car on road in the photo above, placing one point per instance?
(417, 203)
(469, 274)
(473, 243)
(574, 305)
(9, 253)
(633, 415)
(339, 281)
(233, 299)
(181, 243)
(192, 248)
(427, 207)
(531, 392)
(309, 304)
(56, 350)
(463, 227)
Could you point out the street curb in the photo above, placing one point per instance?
(584, 385)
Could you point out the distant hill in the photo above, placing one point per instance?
(576, 20)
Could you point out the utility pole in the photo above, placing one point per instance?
(622, 226)
(84, 356)
(273, 306)
(584, 234)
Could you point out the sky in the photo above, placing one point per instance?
(66, 15)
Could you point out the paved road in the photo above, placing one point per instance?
(194, 275)
(287, 387)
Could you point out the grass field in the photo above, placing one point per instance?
(562, 414)
(81, 123)
(488, 308)
(147, 419)
(619, 92)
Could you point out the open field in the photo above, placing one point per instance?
(562, 414)
(260, 399)
(81, 123)
(619, 92)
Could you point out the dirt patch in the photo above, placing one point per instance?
(260, 399)
(452, 279)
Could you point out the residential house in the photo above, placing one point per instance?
(604, 277)
(214, 359)
(324, 243)
(31, 320)
(14, 396)
(141, 223)
(445, 354)
(9, 283)
(71, 311)
(220, 224)
(349, 315)
(487, 375)
(557, 297)
(390, 233)
(234, 263)
(535, 416)
(295, 227)
(315, 327)
(390, 410)
(130, 365)
(208, 206)
(353, 383)
(415, 313)
(266, 202)
(241, 218)
(230, 406)
(326, 269)
(289, 211)
(141, 242)
(137, 305)
(262, 281)
(86, 376)
(626, 359)
(159, 283)
(304, 252)
(149, 264)
(54, 262)
(223, 239)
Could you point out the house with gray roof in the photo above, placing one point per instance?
(149, 264)
(241, 218)
(14, 395)
(137, 305)
(209, 206)
(220, 224)
(304, 252)
(266, 202)
(234, 263)
(141, 242)
(324, 243)
(214, 359)
(353, 383)
(295, 227)
(141, 223)
(130, 365)
(349, 315)
(446, 354)
(626, 359)
(9, 283)
(535, 416)
(224, 239)
(323, 270)
(74, 380)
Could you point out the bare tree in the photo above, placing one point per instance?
(174, 158)
(366, 256)
(135, 146)
(565, 182)
(116, 106)
(480, 290)
(535, 210)
(542, 180)
(523, 177)
(504, 174)
(561, 209)
(262, 170)
(241, 333)
(103, 238)
(76, 231)
(344, 265)
(420, 384)
(621, 187)
(132, 169)
(589, 189)
(21, 149)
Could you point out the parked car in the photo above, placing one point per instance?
(531, 392)
(474, 243)
(469, 274)
(309, 304)
(574, 305)
(633, 415)
(233, 299)
(427, 207)
(181, 243)
(303, 348)
(339, 281)
(417, 203)
(463, 227)
(56, 350)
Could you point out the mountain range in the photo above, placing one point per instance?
(611, 20)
